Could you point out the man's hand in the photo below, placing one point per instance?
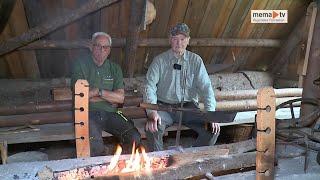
(152, 122)
(93, 92)
(215, 128)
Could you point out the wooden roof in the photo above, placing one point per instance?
(206, 19)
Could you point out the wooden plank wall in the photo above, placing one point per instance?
(261, 57)
(21, 64)
(206, 18)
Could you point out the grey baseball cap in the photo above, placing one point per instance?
(180, 28)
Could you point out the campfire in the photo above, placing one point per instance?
(138, 163)
(169, 164)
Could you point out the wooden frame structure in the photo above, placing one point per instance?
(81, 118)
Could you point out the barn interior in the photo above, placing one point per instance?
(266, 73)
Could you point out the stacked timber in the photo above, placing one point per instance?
(61, 111)
(233, 91)
(23, 91)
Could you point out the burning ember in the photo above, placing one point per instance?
(138, 162)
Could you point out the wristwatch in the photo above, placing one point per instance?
(100, 92)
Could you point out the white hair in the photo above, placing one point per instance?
(97, 34)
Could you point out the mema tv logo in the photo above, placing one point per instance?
(269, 16)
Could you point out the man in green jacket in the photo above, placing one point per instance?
(105, 79)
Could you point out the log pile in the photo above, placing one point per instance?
(61, 111)
(236, 95)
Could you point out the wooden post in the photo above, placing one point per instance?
(47, 27)
(4, 151)
(265, 134)
(283, 54)
(81, 111)
(311, 89)
(136, 10)
(310, 35)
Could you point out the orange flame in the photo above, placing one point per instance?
(115, 159)
(136, 163)
(147, 160)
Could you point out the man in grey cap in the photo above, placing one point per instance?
(177, 77)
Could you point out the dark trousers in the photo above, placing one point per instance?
(192, 120)
(114, 124)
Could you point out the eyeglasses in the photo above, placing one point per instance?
(98, 46)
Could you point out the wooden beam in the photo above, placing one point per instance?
(292, 42)
(252, 94)
(239, 99)
(55, 106)
(310, 88)
(18, 25)
(36, 118)
(190, 162)
(310, 35)
(198, 166)
(23, 85)
(136, 15)
(4, 151)
(136, 87)
(247, 104)
(238, 147)
(266, 134)
(12, 59)
(47, 27)
(81, 118)
(156, 42)
(6, 7)
(41, 133)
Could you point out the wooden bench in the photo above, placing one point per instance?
(55, 132)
